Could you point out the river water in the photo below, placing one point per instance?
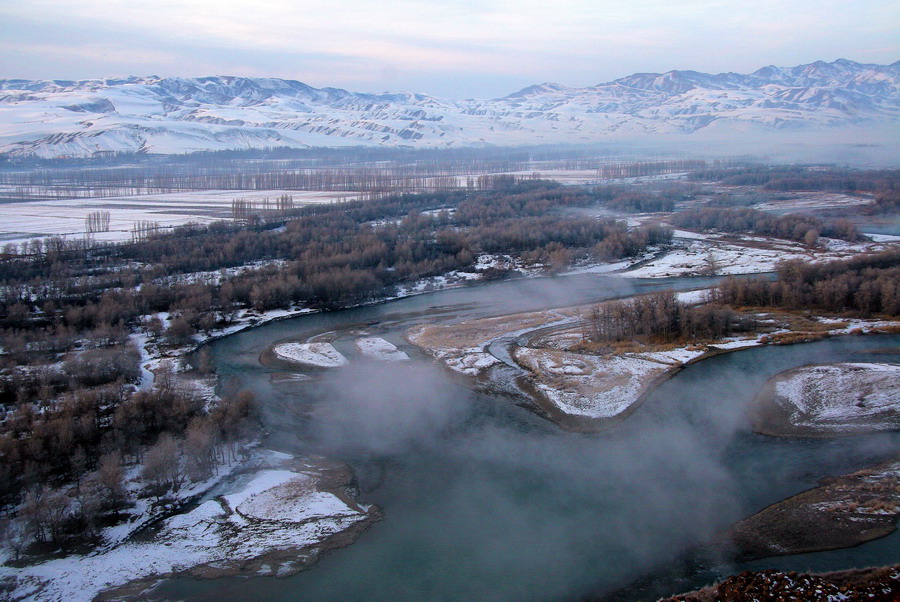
(483, 499)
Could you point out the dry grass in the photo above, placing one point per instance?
(590, 347)
(880, 505)
(789, 338)
(845, 507)
(475, 333)
(627, 347)
(805, 324)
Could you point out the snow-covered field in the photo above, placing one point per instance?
(379, 349)
(589, 385)
(693, 297)
(840, 398)
(279, 509)
(320, 355)
(40, 219)
(806, 201)
(706, 254)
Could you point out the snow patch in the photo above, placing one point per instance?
(380, 349)
(321, 355)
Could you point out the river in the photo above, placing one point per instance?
(485, 500)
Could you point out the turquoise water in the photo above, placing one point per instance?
(485, 500)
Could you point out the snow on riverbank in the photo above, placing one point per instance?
(586, 385)
(320, 355)
(463, 347)
(379, 349)
(693, 297)
(838, 398)
(707, 254)
(280, 509)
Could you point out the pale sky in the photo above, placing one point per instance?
(454, 49)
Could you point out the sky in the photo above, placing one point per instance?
(453, 49)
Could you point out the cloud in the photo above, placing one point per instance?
(576, 42)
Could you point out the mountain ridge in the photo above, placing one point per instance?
(53, 118)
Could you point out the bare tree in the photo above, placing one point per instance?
(97, 221)
(162, 470)
(111, 480)
(16, 536)
(199, 448)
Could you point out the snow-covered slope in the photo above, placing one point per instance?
(171, 115)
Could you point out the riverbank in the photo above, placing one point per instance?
(878, 584)
(842, 512)
(275, 517)
(830, 400)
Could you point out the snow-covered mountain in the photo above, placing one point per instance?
(174, 115)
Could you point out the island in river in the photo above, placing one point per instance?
(880, 584)
(829, 400)
(589, 392)
(844, 511)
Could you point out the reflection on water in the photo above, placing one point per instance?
(484, 500)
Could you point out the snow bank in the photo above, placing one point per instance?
(693, 297)
(276, 510)
(590, 386)
(470, 362)
(321, 355)
(380, 349)
(702, 254)
(838, 398)
(842, 390)
(294, 500)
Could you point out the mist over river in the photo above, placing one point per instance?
(484, 499)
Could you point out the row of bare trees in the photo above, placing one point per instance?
(660, 318)
(866, 286)
(97, 221)
(788, 178)
(648, 168)
(802, 228)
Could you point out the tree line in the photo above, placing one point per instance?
(659, 318)
(791, 178)
(865, 286)
(745, 220)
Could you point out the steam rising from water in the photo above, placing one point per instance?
(485, 500)
(377, 409)
(531, 514)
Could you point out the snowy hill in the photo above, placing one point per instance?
(176, 115)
